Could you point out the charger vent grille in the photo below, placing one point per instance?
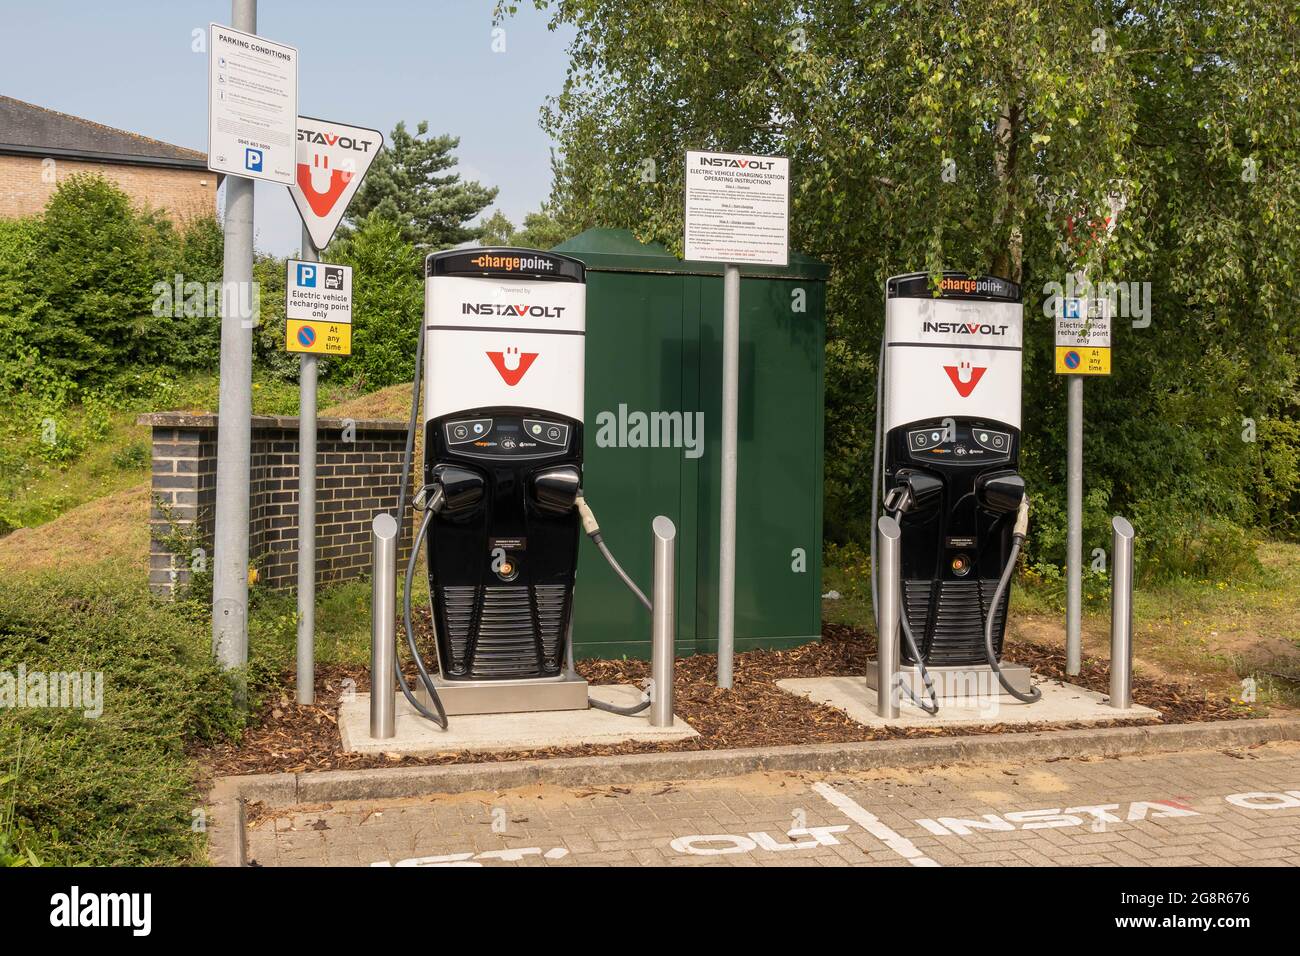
(504, 631)
(949, 626)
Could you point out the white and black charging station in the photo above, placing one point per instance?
(501, 354)
(947, 469)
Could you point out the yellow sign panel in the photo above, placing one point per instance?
(324, 338)
(1082, 360)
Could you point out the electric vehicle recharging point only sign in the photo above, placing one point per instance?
(318, 308)
(1082, 336)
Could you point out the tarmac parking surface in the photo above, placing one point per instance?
(1224, 808)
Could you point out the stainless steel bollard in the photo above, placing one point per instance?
(887, 548)
(664, 621)
(1121, 614)
(383, 626)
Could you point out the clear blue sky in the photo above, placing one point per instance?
(129, 64)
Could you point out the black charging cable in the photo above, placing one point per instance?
(431, 507)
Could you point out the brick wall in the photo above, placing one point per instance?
(357, 476)
(27, 182)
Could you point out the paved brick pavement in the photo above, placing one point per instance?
(1187, 809)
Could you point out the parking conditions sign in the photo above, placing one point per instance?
(252, 106)
(318, 308)
(1082, 337)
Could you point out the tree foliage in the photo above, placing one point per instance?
(1001, 137)
(387, 304)
(541, 230)
(79, 284)
(412, 183)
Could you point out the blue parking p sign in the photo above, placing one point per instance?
(306, 275)
(253, 160)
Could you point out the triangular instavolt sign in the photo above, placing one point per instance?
(332, 161)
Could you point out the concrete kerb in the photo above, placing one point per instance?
(226, 831)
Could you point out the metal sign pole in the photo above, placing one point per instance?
(727, 519)
(234, 409)
(1074, 528)
(307, 511)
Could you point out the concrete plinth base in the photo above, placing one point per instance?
(566, 692)
(1060, 704)
(960, 680)
(416, 736)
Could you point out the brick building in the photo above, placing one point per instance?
(39, 148)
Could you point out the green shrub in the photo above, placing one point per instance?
(118, 788)
(1191, 544)
(132, 457)
(94, 266)
(20, 299)
(387, 304)
(191, 254)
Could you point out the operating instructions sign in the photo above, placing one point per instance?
(252, 106)
(318, 308)
(737, 208)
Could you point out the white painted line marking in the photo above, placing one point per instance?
(872, 824)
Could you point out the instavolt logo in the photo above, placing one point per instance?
(333, 139)
(965, 328)
(513, 311)
(727, 161)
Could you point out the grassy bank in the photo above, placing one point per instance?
(56, 457)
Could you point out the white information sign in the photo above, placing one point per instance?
(1083, 323)
(1082, 336)
(252, 106)
(737, 208)
(319, 291)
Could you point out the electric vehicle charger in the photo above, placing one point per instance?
(500, 472)
(946, 440)
(432, 507)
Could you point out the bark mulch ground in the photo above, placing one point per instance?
(754, 713)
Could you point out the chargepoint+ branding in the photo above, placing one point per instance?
(513, 263)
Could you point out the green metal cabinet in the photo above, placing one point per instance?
(654, 345)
